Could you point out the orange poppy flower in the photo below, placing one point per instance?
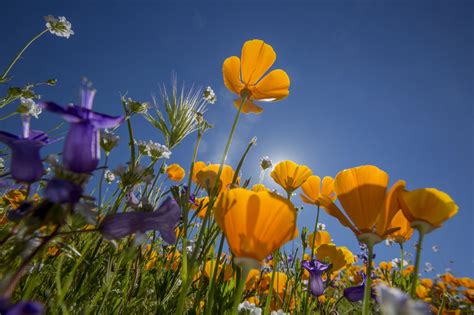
(313, 189)
(206, 177)
(245, 76)
(255, 223)
(175, 172)
(198, 166)
(405, 232)
(290, 175)
(362, 192)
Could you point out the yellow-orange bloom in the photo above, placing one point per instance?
(313, 189)
(14, 197)
(362, 192)
(245, 76)
(255, 223)
(259, 187)
(198, 166)
(322, 237)
(427, 206)
(206, 177)
(175, 172)
(405, 232)
(210, 265)
(201, 204)
(338, 257)
(290, 175)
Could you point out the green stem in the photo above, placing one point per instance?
(240, 288)
(417, 262)
(241, 162)
(5, 73)
(368, 281)
(8, 115)
(186, 283)
(212, 285)
(276, 253)
(315, 231)
(101, 182)
(402, 257)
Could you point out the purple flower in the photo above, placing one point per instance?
(164, 220)
(62, 191)
(20, 308)
(81, 152)
(316, 270)
(356, 293)
(26, 165)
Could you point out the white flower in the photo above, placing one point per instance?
(396, 262)
(209, 96)
(249, 308)
(253, 141)
(59, 26)
(108, 140)
(321, 227)
(435, 248)
(29, 107)
(2, 164)
(109, 176)
(279, 312)
(428, 267)
(157, 150)
(388, 242)
(394, 302)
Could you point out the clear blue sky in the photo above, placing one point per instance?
(382, 82)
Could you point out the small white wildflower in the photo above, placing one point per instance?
(435, 248)
(109, 176)
(209, 96)
(108, 140)
(29, 107)
(396, 262)
(135, 107)
(388, 242)
(428, 267)
(253, 141)
(2, 164)
(279, 312)
(59, 26)
(265, 162)
(157, 151)
(249, 308)
(321, 227)
(52, 159)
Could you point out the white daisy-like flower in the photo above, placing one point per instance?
(29, 107)
(435, 248)
(321, 227)
(396, 262)
(249, 308)
(388, 242)
(428, 267)
(157, 151)
(109, 176)
(209, 96)
(59, 26)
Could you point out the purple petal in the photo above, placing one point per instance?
(81, 153)
(164, 220)
(62, 191)
(7, 137)
(356, 293)
(87, 97)
(68, 114)
(26, 165)
(40, 136)
(21, 308)
(104, 121)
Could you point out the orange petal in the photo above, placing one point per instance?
(311, 188)
(333, 210)
(361, 192)
(274, 86)
(231, 73)
(248, 107)
(257, 57)
(392, 206)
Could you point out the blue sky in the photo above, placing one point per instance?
(387, 83)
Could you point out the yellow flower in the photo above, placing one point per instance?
(253, 278)
(322, 237)
(405, 232)
(53, 251)
(210, 265)
(421, 291)
(206, 177)
(334, 255)
(255, 223)
(202, 204)
(384, 265)
(313, 190)
(348, 255)
(279, 282)
(427, 206)
(290, 175)
(362, 192)
(175, 172)
(246, 76)
(14, 197)
(259, 187)
(198, 166)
